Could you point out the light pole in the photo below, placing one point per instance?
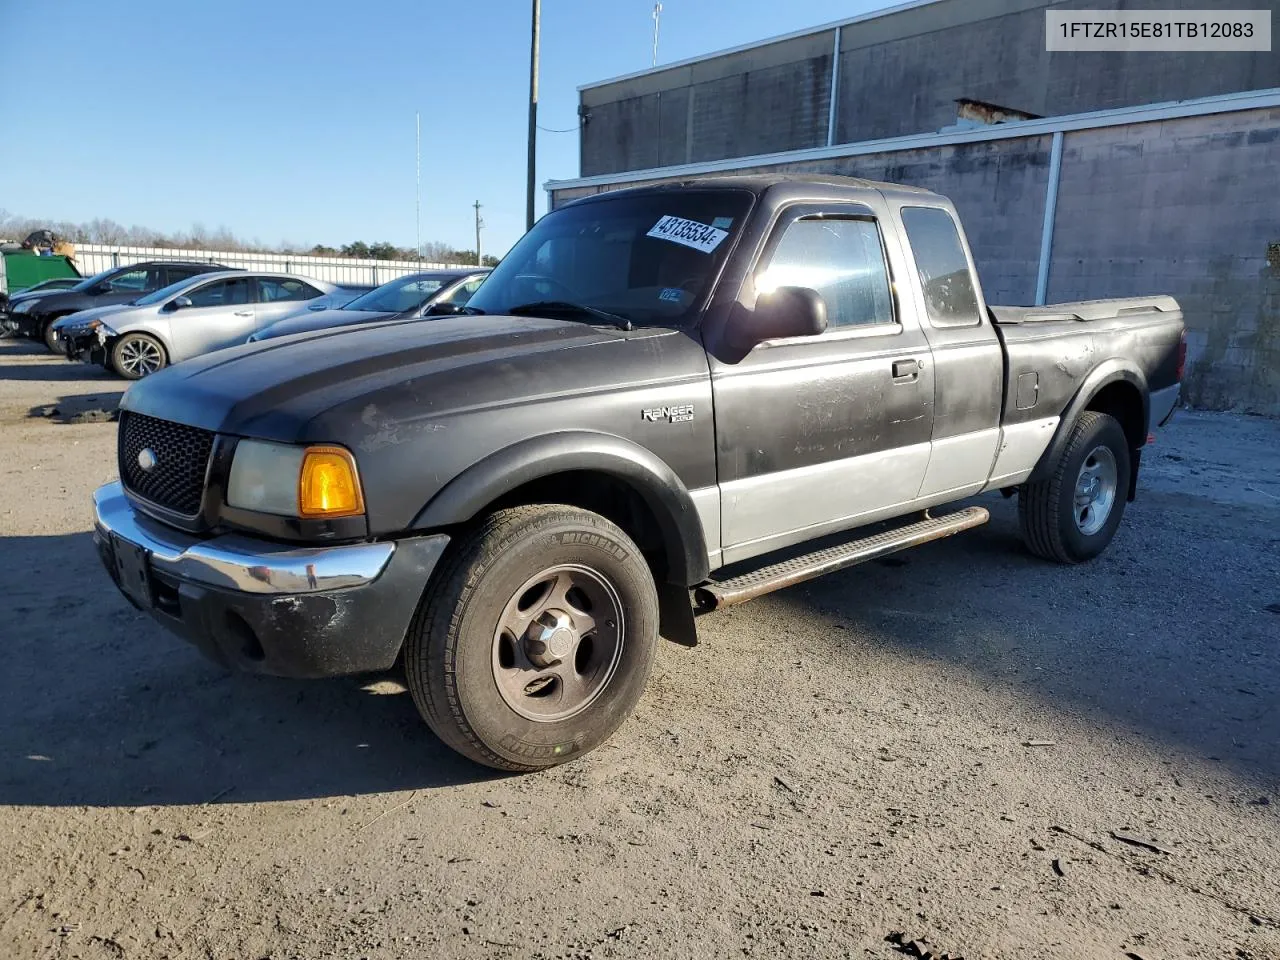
(479, 224)
(533, 114)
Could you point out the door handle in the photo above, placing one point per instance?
(244, 313)
(906, 371)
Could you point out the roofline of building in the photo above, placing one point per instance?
(1118, 116)
(808, 31)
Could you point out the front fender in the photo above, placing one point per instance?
(1105, 373)
(666, 496)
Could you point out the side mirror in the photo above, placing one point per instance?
(784, 312)
(178, 303)
(442, 309)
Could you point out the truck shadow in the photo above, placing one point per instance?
(1136, 640)
(100, 706)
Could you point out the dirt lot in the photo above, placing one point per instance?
(834, 763)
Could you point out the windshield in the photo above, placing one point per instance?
(165, 292)
(650, 258)
(96, 279)
(398, 295)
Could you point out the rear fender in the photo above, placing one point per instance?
(1106, 373)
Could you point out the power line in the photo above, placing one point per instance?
(553, 130)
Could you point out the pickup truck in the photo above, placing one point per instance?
(664, 400)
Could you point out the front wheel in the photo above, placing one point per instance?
(535, 639)
(50, 337)
(1072, 516)
(136, 355)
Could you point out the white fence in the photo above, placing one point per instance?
(93, 258)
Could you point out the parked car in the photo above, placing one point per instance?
(56, 283)
(341, 297)
(410, 296)
(662, 393)
(34, 317)
(185, 319)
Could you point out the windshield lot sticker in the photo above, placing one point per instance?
(689, 233)
(671, 294)
(722, 223)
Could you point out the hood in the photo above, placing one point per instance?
(282, 389)
(318, 320)
(82, 317)
(32, 295)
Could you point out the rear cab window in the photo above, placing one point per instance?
(950, 296)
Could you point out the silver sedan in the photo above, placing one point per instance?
(185, 319)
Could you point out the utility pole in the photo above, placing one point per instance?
(657, 17)
(533, 114)
(479, 224)
(417, 181)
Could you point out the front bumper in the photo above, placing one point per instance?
(267, 607)
(79, 343)
(23, 324)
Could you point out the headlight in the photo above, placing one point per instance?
(26, 305)
(317, 481)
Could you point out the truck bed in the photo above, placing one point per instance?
(1084, 311)
(1051, 350)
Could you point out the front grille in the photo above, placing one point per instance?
(181, 456)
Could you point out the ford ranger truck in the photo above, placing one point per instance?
(654, 406)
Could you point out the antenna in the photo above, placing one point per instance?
(657, 18)
(417, 182)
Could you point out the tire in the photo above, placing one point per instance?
(49, 337)
(467, 668)
(1058, 519)
(137, 355)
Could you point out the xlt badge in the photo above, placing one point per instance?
(677, 414)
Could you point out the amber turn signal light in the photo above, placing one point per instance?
(328, 485)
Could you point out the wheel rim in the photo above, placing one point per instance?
(140, 356)
(1095, 490)
(558, 643)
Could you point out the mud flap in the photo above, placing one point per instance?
(1133, 474)
(675, 615)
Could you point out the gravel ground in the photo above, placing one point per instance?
(945, 744)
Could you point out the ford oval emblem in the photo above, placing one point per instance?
(147, 459)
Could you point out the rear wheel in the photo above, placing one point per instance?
(535, 639)
(1072, 516)
(136, 355)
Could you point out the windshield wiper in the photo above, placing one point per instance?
(553, 307)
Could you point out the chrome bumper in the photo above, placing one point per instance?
(236, 562)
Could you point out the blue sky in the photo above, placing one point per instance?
(293, 120)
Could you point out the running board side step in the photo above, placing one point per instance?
(723, 593)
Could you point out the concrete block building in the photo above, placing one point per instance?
(1078, 175)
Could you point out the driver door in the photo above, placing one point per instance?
(824, 433)
(221, 315)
